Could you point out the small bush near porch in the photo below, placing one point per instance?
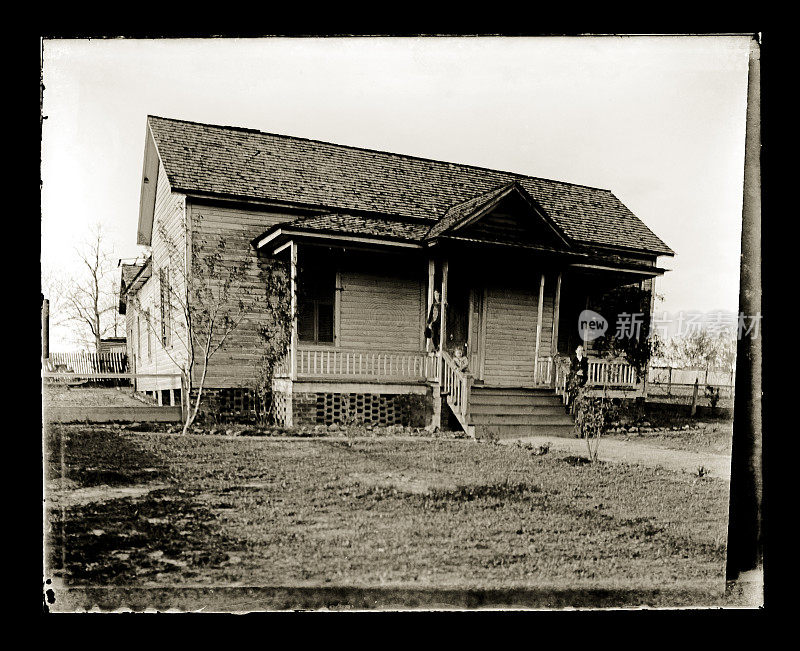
(156, 510)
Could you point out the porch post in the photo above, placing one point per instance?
(556, 315)
(538, 330)
(293, 290)
(585, 341)
(646, 376)
(443, 317)
(293, 341)
(431, 276)
(436, 418)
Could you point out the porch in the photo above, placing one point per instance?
(353, 372)
(360, 313)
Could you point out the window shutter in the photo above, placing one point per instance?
(325, 323)
(305, 320)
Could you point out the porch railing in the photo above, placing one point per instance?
(610, 373)
(456, 386)
(544, 371)
(360, 365)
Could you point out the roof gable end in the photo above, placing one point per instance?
(505, 214)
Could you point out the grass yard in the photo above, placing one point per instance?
(147, 509)
(715, 437)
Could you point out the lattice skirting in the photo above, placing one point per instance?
(281, 401)
(352, 409)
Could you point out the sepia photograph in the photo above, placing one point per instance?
(401, 323)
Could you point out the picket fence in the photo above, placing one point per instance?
(87, 363)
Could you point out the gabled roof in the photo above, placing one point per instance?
(209, 160)
(129, 272)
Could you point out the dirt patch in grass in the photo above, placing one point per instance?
(574, 460)
(140, 539)
(68, 497)
(99, 456)
(249, 511)
(398, 482)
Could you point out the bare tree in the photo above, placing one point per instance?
(703, 349)
(87, 300)
(202, 303)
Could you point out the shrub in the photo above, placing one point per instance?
(416, 409)
(713, 396)
(592, 418)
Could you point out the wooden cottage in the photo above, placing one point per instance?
(369, 236)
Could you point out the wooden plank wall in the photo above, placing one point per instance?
(511, 321)
(238, 362)
(170, 211)
(382, 308)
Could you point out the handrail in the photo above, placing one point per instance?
(456, 385)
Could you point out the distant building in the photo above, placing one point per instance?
(114, 345)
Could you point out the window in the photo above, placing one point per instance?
(315, 301)
(163, 277)
(138, 337)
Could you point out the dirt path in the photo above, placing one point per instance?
(719, 465)
(103, 493)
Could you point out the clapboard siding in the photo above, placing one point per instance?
(511, 322)
(167, 250)
(381, 310)
(237, 363)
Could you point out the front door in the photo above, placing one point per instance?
(509, 340)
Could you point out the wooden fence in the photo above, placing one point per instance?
(686, 376)
(86, 363)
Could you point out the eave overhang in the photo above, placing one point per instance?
(278, 236)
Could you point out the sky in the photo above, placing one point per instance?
(660, 121)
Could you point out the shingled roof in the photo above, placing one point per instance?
(359, 225)
(243, 163)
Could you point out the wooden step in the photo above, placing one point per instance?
(488, 399)
(545, 409)
(513, 391)
(514, 431)
(519, 419)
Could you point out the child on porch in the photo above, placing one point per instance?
(460, 360)
(433, 324)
